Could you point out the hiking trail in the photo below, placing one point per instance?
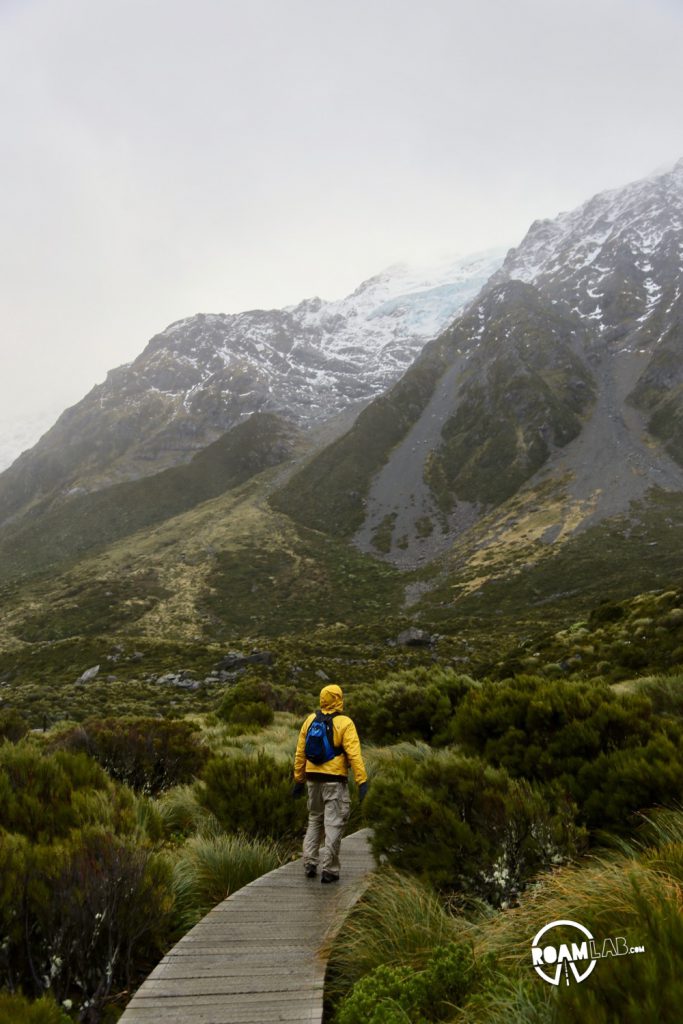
(255, 958)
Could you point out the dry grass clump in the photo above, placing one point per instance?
(211, 868)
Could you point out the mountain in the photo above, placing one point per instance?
(525, 466)
(205, 375)
(559, 387)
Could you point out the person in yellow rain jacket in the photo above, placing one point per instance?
(327, 783)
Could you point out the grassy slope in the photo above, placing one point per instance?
(226, 568)
(521, 580)
(90, 522)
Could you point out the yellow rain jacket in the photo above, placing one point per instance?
(345, 736)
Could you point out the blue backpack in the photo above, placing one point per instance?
(320, 746)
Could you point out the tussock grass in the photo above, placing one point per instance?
(182, 814)
(277, 740)
(377, 757)
(210, 868)
(634, 891)
(665, 692)
(608, 897)
(398, 922)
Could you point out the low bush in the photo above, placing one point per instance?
(615, 785)
(252, 794)
(41, 796)
(462, 824)
(16, 1009)
(13, 725)
(249, 702)
(148, 754)
(401, 995)
(86, 917)
(607, 752)
(413, 704)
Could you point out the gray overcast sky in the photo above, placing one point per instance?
(164, 157)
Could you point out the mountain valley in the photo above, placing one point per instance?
(526, 465)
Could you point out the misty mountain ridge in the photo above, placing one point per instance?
(206, 374)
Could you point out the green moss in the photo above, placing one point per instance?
(424, 526)
(381, 537)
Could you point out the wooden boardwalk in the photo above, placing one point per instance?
(254, 959)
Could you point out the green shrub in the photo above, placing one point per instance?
(39, 793)
(249, 702)
(462, 824)
(253, 795)
(401, 995)
(89, 914)
(615, 785)
(209, 869)
(606, 612)
(608, 752)
(415, 704)
(148, 754)
(13, 725)
(245, 715)
(16, 1009)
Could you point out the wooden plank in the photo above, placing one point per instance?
(254, 958)
(296, 1013)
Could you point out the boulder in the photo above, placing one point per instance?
(234, 660)
(88, 675)
(414, 637)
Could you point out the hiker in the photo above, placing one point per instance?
(328, 745)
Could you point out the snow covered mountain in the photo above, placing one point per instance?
(615, 261)
(204, 375)
(565, 373)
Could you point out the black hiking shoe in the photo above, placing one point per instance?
(310, 870)
(327, 877)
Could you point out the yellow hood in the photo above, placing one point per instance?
(331, 699)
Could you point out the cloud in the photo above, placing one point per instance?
(162, 157)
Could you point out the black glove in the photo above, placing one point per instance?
(362, 790)
(298, 789)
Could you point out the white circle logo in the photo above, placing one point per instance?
(563, 956)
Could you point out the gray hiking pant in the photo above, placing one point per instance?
(329, 806)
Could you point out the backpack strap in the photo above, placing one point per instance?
(327, 717)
